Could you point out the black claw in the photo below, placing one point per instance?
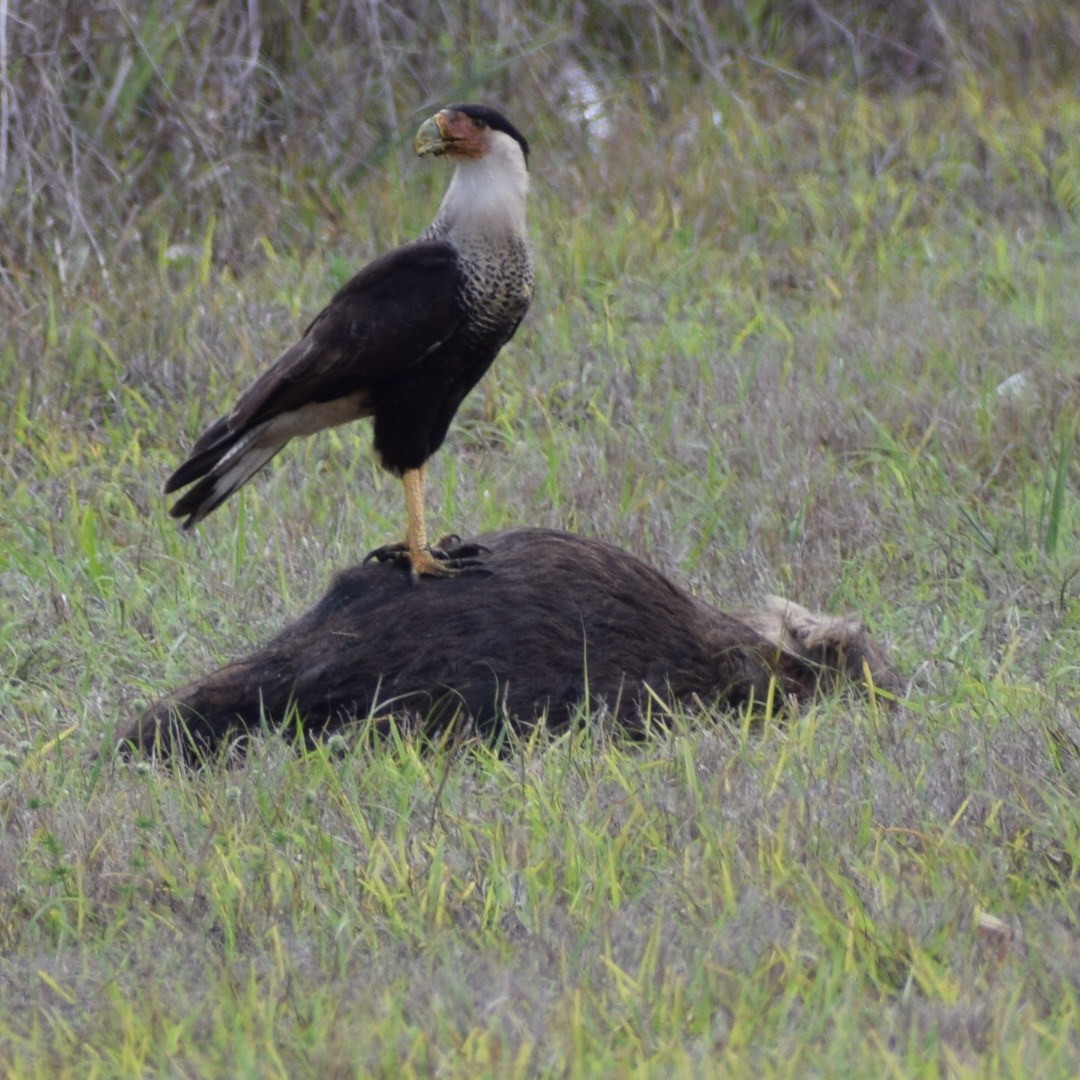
(456, 567)
(468, 551)
(452, 549)
(471, 567)
(456, 557)
(396, 553)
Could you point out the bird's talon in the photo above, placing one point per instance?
(472, 568)
(388, 553)
(468, 551)
(451, 549)
(437, 561)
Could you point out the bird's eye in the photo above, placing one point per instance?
(479, 124)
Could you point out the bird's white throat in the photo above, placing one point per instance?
(487, 195)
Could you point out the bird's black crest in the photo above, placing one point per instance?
(495, 120)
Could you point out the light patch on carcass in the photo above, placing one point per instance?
(802, 632)
(833, 645)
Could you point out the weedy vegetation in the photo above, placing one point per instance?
(808, 322)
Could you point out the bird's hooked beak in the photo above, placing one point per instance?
(434, 137)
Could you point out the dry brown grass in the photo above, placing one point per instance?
(116, 116)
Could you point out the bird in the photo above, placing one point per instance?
(402, 342)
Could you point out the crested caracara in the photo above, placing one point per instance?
(402, 342)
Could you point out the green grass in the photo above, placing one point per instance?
(788, 337)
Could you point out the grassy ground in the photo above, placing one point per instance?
(787, 337)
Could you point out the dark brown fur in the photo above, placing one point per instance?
(558, 620)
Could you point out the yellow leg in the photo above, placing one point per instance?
(416, 550)
(423, 562)
(415, 531)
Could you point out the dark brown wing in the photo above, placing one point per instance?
(382, 321)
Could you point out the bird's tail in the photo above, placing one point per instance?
(221, 461)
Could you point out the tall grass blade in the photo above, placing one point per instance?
(1056, 512)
